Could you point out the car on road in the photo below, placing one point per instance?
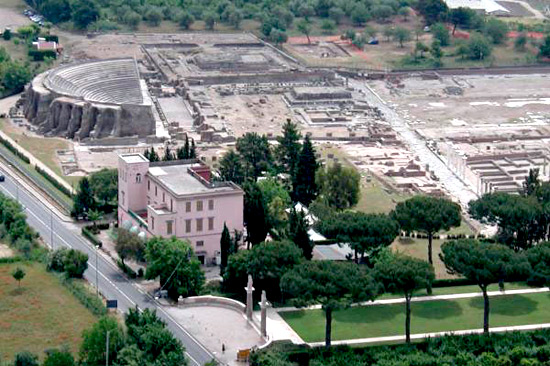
(2, 178)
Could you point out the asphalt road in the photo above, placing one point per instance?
(112, 284)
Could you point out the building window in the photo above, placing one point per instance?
(210, 205)
(171, 205)
(200, 243)
(148, 185)
(187, 226)
(169, 227)
(199, 205)
(138, 178)
(156, 191)
(152, 223)
(187, 206)
(163, 197)
(122, 196)
(199, 224)
(210, 223)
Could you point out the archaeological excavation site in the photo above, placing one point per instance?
(430, 132)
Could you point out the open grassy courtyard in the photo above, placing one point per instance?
(40, 314)
(428, 316)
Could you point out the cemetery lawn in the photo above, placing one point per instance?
(428, 316)
(39, 315)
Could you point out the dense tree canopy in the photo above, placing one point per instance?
(366, 233)
(173, 261)
(266, 262)
(334, 285)
(517, 217)
(304, 186)
(339, 186)
(255, 214)
(288, 150)
(255, 154)
(231, 168)
(404, 275)
(482, 263)
(428, 215)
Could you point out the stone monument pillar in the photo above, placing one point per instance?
(263, 305)
(249, 290)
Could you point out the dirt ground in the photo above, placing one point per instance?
(245, 113)
(5, 251)
(486, 100)
(12, 18)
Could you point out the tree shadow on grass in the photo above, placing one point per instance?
(436, 309)
(17, 291)
(369, 314)
(515, 305)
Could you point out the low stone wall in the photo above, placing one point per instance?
(210, 300)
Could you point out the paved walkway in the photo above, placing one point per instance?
(278, 328)
(401, 300)
(218, 327)
(431, 335)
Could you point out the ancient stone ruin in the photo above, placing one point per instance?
(90, 100)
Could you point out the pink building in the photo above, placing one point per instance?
(177, 198)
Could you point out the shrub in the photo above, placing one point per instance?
(126, 269)
(41, 55)
(75, 263)
(25, 358)
(56, 260)
(14, 150)
(90, 301)
(91, 237)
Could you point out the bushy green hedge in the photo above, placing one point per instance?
(126, 269)
(503, 349)
(90, 301)
(15, 259)
(54, 181)
(40, 55)
(91, 237)
(14, 150)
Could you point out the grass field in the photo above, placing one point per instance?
(44, 149)
(429, 316)
(41, 314)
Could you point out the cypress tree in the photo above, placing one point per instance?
(186, 148)
(288, 150)
(298, 232)
(225, 247)
(168, 154)
(254, 214)
(193, 150)
(304, 186)
(84, 199)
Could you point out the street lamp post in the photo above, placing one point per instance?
(96, 272)
(51, 228)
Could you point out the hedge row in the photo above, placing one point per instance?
(14, 150)
(53, 181)
(90, 301)
(91, 237)
(129, 271)
(38, 55)
(15, 259)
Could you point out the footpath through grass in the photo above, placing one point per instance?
(428, 316)
(41, 314)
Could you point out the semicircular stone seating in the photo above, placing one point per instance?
(106, 81)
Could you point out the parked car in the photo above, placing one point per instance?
(2, 178)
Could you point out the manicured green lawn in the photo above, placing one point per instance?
(459, 290)
(40, 314)
(428, 316)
